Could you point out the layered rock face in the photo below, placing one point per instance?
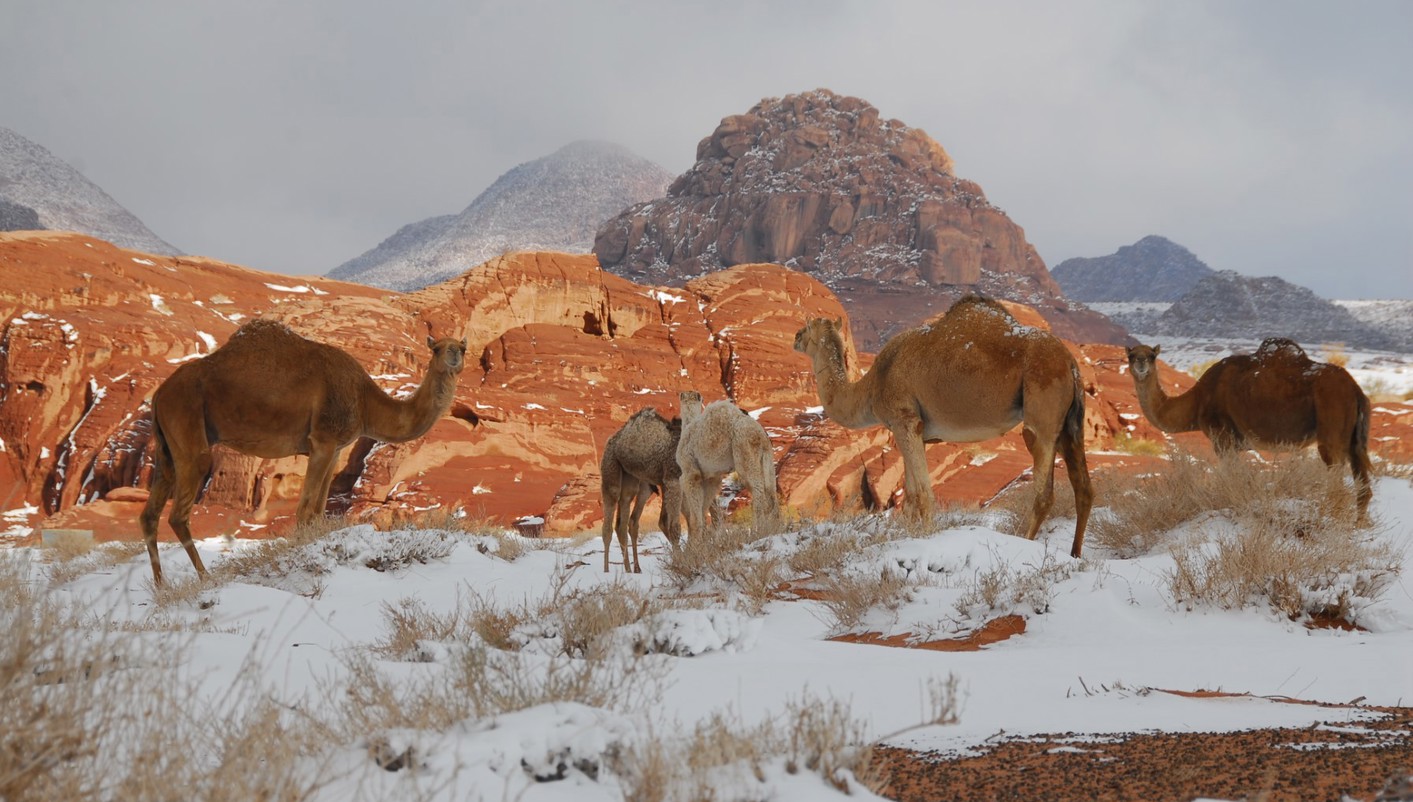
(870, 207)
(552, 204)
(1152, 269)
(562, 354)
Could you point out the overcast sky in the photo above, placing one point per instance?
(1269, 137)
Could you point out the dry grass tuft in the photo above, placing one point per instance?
(850, 596)
(1006, 588)
(68, 565)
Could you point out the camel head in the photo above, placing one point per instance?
(818, 330)
(1142, 360)
(688, 403)
(448, 355)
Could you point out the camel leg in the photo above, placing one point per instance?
(163, 473)
(1042, 452)
(191, 471)
(608, 492)
(907, 434)
(692, 503)
(640, 500)
(318, 476)
(670, 520)
(1341, 436)
(1078, 470)
(754, 461)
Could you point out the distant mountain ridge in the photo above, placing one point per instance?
(1152, 269)
(555, 203)
(34, 180)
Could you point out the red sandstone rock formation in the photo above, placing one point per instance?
(563, 353)
(869, 206)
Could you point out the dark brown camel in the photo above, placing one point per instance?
(271, 393)
(638, 457)
(972, 374)
(1276, 397)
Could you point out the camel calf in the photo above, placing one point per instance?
(638, 457)
(716, 441)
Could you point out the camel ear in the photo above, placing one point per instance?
(839, 323)
(463, 343)
(432, 344)
(1157, 349)
(1128, 351)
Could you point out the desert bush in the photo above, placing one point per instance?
(91, 713)
(1335, 354)
(1294, 559)
(67, 564)
(1006, 588)
(722, 757)
(849, 596)
(1126, 443)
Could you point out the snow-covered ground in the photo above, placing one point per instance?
(1104, 639)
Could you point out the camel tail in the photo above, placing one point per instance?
(1359, 440)
(1074, 418)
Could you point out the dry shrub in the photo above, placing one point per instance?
(722, 757)
(849, 596)
(68, 565)
(1126, 443)
(91, 714)
(1005, 588)
(1297, 560)
(1140, 511)
(706, 555)
(1336, 355)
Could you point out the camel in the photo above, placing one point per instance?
(717, 440)
(1277, 397)
(969, 375)
(638, 457)
(270, 393)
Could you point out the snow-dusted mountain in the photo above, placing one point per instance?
(1152, 269)
(554, 203)
(32, 178)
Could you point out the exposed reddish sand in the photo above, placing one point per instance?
(993, 631)
(1332, 761)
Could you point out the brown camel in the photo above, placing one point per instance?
(638, 457)
(716, 441)
(971, 374)
(270, 393)
(1277, 397)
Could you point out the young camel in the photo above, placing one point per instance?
(270, 393)
(638, 457)
(1276, 397)
(970, 375)
(716, 441)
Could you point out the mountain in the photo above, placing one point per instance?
(1229, 305)
(62, 199)
(555, 203)
(869, 206)
(1152, 269)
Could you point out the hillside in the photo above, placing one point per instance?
(60, 198)
(551, 204)
(1152, 269)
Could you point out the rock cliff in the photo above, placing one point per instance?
(869, 206)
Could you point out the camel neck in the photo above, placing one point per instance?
(844, 401)
(397, 420)
(1166, 412)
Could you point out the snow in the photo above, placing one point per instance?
(301, 288)
(1103, 644)
(160, 304)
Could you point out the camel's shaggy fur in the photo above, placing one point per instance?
(1276, 397)
(716, 441)
(271, 393)
(637, 458)
(971, 374)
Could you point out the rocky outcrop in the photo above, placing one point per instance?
(551, 204)
(564, 354)
(1152, 269)
(1227, 304)
(14, 217)
(62, 199)
(869, 206)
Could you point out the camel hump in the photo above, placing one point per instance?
(977, 300)
(1280, 349)
(260, 327)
